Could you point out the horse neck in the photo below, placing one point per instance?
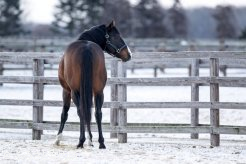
(96, 35)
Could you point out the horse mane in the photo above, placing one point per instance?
(95, 34)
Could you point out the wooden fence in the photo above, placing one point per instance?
(225, 64)
(119, 106)
(140, 44)
(147, 44)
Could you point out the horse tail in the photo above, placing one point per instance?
(86, 85)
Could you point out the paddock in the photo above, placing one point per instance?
(119, 105)
(158, 127)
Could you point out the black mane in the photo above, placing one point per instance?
(95, 34)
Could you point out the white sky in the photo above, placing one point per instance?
(41, 11)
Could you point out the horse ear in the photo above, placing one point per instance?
(111, 25)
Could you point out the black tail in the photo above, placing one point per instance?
(86, 85)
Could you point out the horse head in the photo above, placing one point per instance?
(115, 45)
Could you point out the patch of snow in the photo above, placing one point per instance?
(17, 146)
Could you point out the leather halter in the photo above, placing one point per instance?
(117, 50)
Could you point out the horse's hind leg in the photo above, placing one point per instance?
(66, 105)
(98, 114)
(89, 134)
(82, 129)
(76, 98)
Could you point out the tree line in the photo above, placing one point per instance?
(147, 18)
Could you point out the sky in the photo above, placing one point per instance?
(41, 11)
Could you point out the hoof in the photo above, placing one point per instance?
(58, 139)
(80, 146)
(57, 143)
(102, 146)
(90, 143)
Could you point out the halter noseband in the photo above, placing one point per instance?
(117, 50)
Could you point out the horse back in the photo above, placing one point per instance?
(70, 67)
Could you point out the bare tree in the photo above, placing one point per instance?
(226, 22)
(149, 19)
(177, 20)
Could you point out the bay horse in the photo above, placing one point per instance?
(82, 75)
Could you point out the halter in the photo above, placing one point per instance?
(117, 50)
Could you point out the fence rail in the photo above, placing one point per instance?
(150, 44)
(141, 60)
(119, 105)
(130, 128)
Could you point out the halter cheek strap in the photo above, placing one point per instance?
(117, 50)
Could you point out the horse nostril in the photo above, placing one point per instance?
(129, 57)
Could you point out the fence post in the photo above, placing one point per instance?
(1, 71)
(122, 96)
(114, 97)
(1, 63)
(194, 97)
(214, 97)
(155, 71)
(189, 70)
(38, 90)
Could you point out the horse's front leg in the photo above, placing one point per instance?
(98, 114)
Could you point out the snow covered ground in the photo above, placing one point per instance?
(137, 150)
(17, 146)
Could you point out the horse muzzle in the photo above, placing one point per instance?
(129, 58)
